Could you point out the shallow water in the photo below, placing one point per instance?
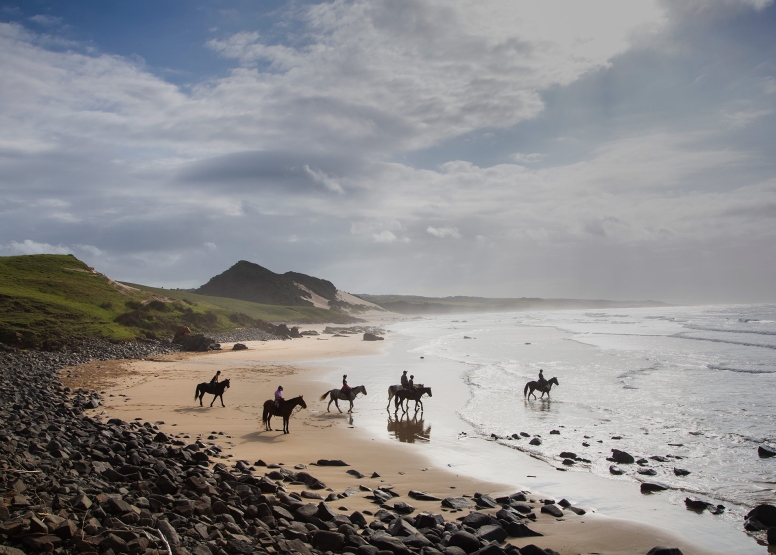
(695, 384)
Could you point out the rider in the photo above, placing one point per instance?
(214, 381)
(404, 381)
(279, 396)
(346, 390)
(542, 379)
(411, 382)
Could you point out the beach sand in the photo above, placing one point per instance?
(162, 389)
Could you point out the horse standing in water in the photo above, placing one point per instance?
(411, 394)
(285, 410)
(336, 395)
(534, 386)
(216, 390)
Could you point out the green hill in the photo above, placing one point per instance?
(47, 301)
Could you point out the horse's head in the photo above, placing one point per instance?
(363, 388)
(428, 390)
(226, 383)
(554, 380)
(301, 402)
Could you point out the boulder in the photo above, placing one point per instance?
(622, 457)
(466, 541)
(326, 540)
(681, 472)
(766, 514)
(661, 550)
(491, 532)
(372, 337)
(196, 343)
(423, 496)
(180, 333)
(456, 503)
(520, 530)
(239, 347)
(649, 487)
(553, 510)
(766, 452)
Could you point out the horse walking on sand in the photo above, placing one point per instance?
(411, 394)
(391, 392)
(216, 390)
(336, 395)
(534, 386)
(285, 409)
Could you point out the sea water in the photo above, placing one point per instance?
(694, 385)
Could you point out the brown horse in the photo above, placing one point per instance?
(411, 394)
(285, 410)
(216, 390)
(535, 386)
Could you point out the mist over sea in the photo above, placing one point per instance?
(692, 384)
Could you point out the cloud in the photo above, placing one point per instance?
(209, 245)
(523, 158)
(28, 246)
(443, 232)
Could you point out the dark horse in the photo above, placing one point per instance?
(285, 410)
(337, 395)
(216, 390)
(413, 394)
(534, 386)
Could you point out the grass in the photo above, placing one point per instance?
(47, 301)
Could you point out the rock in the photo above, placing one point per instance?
(372, 337)
(335, 462)
(466, 541)
(617, 471)
(112, 541)
(554, 432)
(681, 472)
(422, 496)
(491, 532)
(766, 452)
(326, 540)
(532, 549)
(771, 536)
(622, 457)
(388, 543)
(485, 501)
(766, 514)
(355, 473)
(453, 550)
(568, 455)
(647, 471)
(180, 333)
(520, 530)
(367, 550)
(403, 508)
(553, 510)
(169, 532)
(239, 347)
(491, 549)
(456, 503)
(649, 487)
(660, 550)
(535, 441)
(7, 550)
(197, 343)
(696, 505)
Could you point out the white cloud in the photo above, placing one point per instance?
(443, 232)
(524, 158)
(28, 246)
(320, 177)
(209, 245)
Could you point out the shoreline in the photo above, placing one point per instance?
(318, 435)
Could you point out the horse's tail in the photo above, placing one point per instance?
(525, 390)
(264, 416)
(196, 393)
(325, 394)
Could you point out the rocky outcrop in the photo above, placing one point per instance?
(372, 337)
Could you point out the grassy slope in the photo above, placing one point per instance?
(49, 300)
(267, 312)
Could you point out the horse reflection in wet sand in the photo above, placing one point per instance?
(409, 430)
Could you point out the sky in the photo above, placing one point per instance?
(565, 149)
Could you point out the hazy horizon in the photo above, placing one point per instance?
(605, 150)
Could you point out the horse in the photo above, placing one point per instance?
(535, 386)
(337, 395)
(285, 410)
(413, 394)
(392, 389)
(216, 390)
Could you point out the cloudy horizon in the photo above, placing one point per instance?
(618, 150)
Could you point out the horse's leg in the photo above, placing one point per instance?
(201, 395)
(328, 407)
(336, 403)
(351, 406)
(222, 399)
(285, 424)
(214, 400)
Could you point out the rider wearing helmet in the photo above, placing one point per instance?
(542, 379)
(278, 396)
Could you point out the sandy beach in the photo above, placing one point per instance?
(160, 390)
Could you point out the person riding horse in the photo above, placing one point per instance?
(411, 383)
(346, 390)
(404, 380)
(214, 380)
(542, 380)
(279, 396)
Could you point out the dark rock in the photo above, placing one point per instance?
(466, 541)
(647, 471)
(422, 496)
(355, 473)
(239, 347)
(553, 510)
(169, 532)
(326, 540)
(681, 472)
(649, 487)
(372, 337)
(477, 520)
(367, 550)
(696, 505)
(766, 514)
(403, 508)
(766, 452)
(771, 536)
(535, 441)
(491, 533)
(616, 470)
(114, 543)
(7, 550)
(388, 543)
(622, 457)
(334, 462)
(660, 550)
(532, 549)
(520, 530)
(456, 503)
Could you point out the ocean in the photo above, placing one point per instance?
(692, 386)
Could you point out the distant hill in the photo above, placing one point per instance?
(247, 281)
(410, 304)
